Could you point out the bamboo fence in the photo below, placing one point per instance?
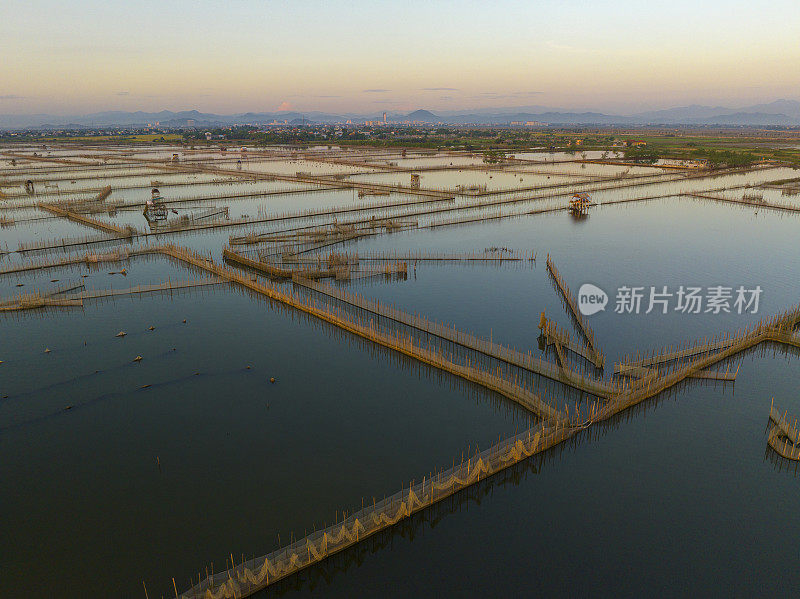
(784, 436)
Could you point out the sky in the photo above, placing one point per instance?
(372, 56)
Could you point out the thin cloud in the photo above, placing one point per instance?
(497, 96)
(376, 91)
(118, 49)
(312, 96)
(562, 47)
(440, 89)
(123, 93)
(12, 97)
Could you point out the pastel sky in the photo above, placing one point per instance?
(369, 56)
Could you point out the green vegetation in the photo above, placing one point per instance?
(727, 157)
(493, 156)
(720, 149)
(641, 155)
(148, 138)
(118, 138)
(734, 147)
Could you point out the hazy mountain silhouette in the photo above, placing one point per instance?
(779, 112)
(423, 115)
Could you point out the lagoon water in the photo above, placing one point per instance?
(115, 472)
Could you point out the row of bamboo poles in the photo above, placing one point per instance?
(330, 180)
(46, 170)
(784, 436)
(37, 299)
(34, 157)
(779, 328)
(49, 245)
(526, 361)
(185, 199)
(748, 201)
(308, 214)
(248, 577)
(489, 255)
(23, 200)
(387, 270)
(253, 237)
(338, 266)
(595, 356)
(704, 345)
(501, 382)
(82, 176)
(561, 337)
(479, 206)
(338, 181)
(88, 221)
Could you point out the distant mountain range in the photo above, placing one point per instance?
(780, 112)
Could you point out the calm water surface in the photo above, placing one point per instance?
(115, 472)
